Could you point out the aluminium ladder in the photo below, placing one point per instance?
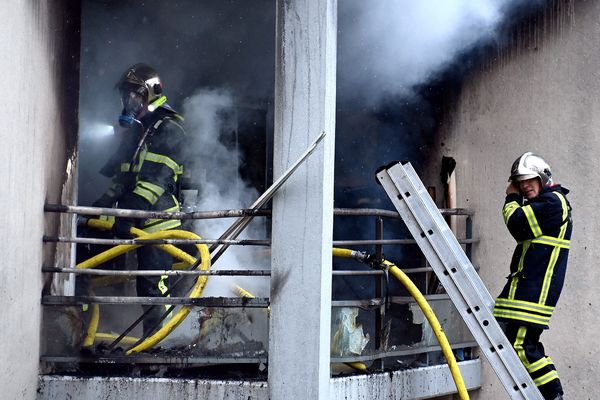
(456, 273)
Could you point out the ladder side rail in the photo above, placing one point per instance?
(453, 273)
(500, 367)
(425, 212)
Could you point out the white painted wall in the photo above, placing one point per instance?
(37, 114)
(542, 93)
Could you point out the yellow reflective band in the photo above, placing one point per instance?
(157, 103)
(518, 345)
(162, 286)
(160, 159)
(108, 218)
(542, 380)
(552, 241)
(533, 223)
(515, 279)
(155, 225)
(163, 226)
(151, 186)
(539, 364)
(125, 167)
(548, 275)
(563, 202)
(146, 194)
(508, 210)
(525, 306)
(521, 316)
(555, 253)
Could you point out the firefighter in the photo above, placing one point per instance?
(538, 215)
(145, 171)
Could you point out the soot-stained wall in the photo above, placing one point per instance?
(39, 54)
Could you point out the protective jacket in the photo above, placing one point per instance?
(542, 228)
(146, 177)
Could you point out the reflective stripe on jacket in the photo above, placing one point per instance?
(156, 170)
(542, 227)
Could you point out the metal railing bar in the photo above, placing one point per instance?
(367, 242)
(235, 213)
(402, 351)
(217, 301)
(113, 242)
(110, 272)
(154, 359)
(213, 302)
(117, 212)
(229, 242)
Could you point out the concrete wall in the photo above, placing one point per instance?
(418, 383)
(540, 93)
(38, 54)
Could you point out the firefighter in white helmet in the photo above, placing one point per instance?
(538, 215)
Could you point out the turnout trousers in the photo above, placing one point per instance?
(152, 258)
(526, 342)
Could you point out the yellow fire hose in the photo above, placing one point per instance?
(201, 282)
(426, 308)
(174, 251)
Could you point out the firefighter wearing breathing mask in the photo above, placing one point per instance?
(145, 171)
(538, 215)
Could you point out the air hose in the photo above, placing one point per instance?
(113, 252)
(425, 307)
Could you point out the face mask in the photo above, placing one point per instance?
(133, 104)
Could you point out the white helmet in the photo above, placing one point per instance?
(529, 166)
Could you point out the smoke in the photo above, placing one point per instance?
(215, 159)
(389, 47)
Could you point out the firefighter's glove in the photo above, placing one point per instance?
(105, 201)
(122, 227)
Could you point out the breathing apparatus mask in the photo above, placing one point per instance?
(133, 105)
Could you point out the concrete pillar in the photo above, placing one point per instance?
(299, 337)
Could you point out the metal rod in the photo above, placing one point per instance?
(228, 242)
(231, 233)
(404, 351)
(176, 242)
(376, 212)
(238, 226)
(224, 302)
(380, 284)
(390, 241)
(233, 213)
(118, 212)
(153, 359)
(110, 272)
(196, 272)
(469, 235)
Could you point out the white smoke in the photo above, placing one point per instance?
(211, 120)
(390, 46)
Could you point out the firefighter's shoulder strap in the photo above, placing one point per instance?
(456, 273)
